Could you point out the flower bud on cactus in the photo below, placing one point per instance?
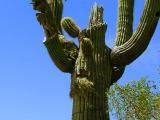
(70, 27)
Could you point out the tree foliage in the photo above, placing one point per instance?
(138, 100)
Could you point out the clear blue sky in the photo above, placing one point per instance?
(31, 87)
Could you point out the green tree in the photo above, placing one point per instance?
(137, 100)
(93, 66)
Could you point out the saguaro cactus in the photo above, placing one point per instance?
(93, 66)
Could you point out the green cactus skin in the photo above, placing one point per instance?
(59, 48)
(81, 86)
(124, 21)
(97, 68)
(81, 83)
(56, 7)
(87, 46)
(94, 67)
(136, 45)
(70, 27)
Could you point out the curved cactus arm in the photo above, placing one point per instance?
(124, 21)
(136, 45)
(62, 52)
(124, 32)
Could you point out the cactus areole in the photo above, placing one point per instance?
(93, 66)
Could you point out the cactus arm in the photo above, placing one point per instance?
(124, 21)
(70, 27)
(124, 31)
(136, 45)
(62, 52)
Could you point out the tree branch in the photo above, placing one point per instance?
(136, 45)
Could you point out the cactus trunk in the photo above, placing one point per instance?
(90, 108)
(94, 67)
(92, 104)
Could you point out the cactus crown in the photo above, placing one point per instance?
(96, 16)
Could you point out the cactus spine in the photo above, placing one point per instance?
(94, 67)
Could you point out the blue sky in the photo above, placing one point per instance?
(31, 87)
